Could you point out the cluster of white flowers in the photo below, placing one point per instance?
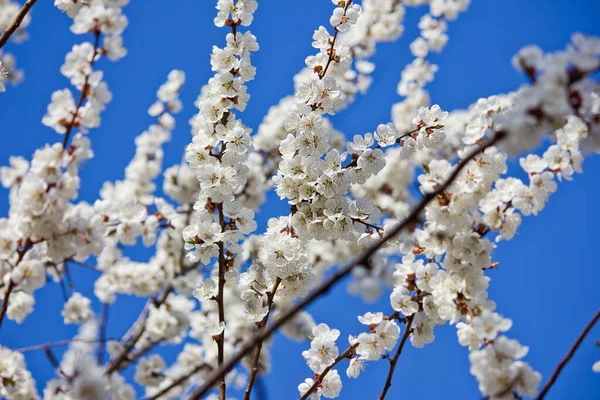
(481, 201)
(383, 335)
(420, 72)
(497, 367)
(44, 228)
(77, 310)
(16, 381)
(219, 148)
(80, 376)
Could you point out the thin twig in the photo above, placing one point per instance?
(363, 260)
(84, 90)
(261, 325)
(64, 342)
(569, 355)
(17, 22)
(179, 381)
(11, 285)
(394, 361)
(122, 359)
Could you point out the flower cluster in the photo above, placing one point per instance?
(100, 18)
(219, 148)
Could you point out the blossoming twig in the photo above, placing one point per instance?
(347, 353)
(339, 275)
(21, 253)
(64, 342)
(179, 381)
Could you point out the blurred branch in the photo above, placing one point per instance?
(363, 260)
(16, 23)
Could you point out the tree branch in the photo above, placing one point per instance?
(347, 353)
(17, 22)
(569, 355)
(363, 260)
(84, 89)
(394, 361)
(261, 325)
(11, 285)
(220, 339)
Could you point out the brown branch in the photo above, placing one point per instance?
(346, 354)
(16, 23)
(363, 260)
(331, 48)
(394, 361)
(220, 339)
(179, 381)
(261, 325)
(569, 355)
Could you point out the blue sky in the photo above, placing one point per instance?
(548, 277)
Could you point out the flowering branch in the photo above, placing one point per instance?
(346, 354)
(122, 359)
(332, 47)
(569, 355)
(11, 285)
(340, 274)
(16, 23)
(84, 89)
